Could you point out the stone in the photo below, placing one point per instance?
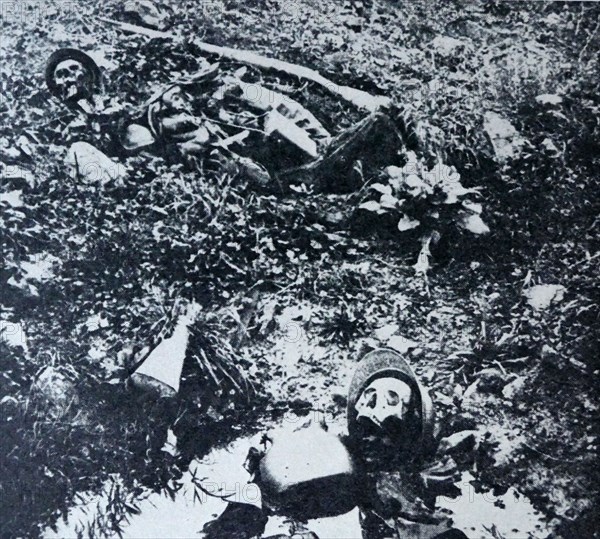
(505, 139)
(92, 166)
(514, 388)
(549, 99)
(541, 296)
(448, 46)
(459, 441)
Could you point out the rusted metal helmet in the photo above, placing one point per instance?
(135, 137)
(308, 473)
(386, 363)
(79, 68)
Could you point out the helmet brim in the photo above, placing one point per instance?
(70, 54)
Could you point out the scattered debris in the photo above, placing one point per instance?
(491, 380)
(267, 115)
(98, 350)
(23, 284)
(238, 521)
(277, 123)
(171, 120)
(550, 147)
(503, 442)
(515, 388)
(359, 98)
(459, 442)
(137, 137)
(170, 446)
(385, 332)
(95, 322)
(259, 131)
(393, 490)
(474, 223)
(39, 267)
(551, 358)
(401, 344)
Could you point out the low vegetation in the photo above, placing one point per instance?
(93, 273)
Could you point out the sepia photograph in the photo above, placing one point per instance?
(299, 269)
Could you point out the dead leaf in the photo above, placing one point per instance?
(406, 223)
(381, 188)
(371, 205)
(473, 223)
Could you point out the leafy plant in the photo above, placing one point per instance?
(345, 325)
(427, 200)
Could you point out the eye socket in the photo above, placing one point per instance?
(370, 396)
(393, 398)
(62, 72)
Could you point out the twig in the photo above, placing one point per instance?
(586, 259)
(138, 29)
(496, 362)
(535, 450)
(589, 40)
(579, 20)
(203, 490)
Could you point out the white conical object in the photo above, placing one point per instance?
(162, 368)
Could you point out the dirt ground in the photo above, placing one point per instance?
(92, 275)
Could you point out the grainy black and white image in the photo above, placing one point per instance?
(299, 269)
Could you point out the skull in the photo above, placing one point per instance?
(174, 100)
(72, 79)
(384, 398)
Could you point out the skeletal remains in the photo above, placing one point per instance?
(383, 399)
(266, 135)
(72, 79)
(72, 75)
